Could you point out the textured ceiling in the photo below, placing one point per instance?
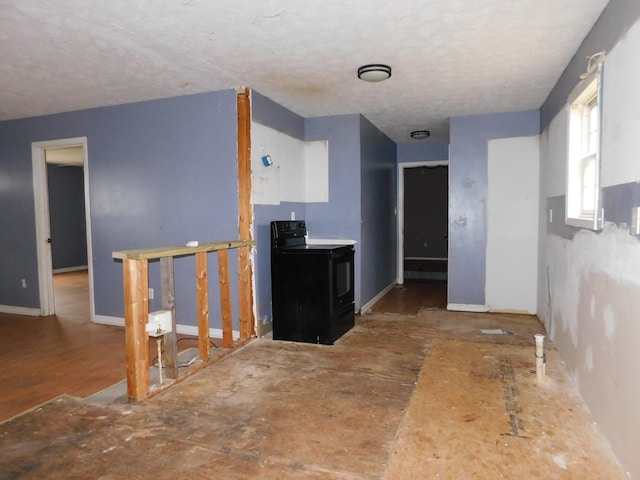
(449, 57)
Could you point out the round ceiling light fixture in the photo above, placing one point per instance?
(420, 134)
(374, 73)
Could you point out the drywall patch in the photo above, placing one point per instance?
(609, 322)
(588, 361)
(612, 252)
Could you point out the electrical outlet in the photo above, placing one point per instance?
(23, 282)
(151, 294)
(426, 244)
(635, 221)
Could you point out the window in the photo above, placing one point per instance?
(583, 159)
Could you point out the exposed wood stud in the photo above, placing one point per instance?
(169, 303)
(225, 298)
(245, 211)
(202, 292)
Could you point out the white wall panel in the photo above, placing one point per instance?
(512, 224)
(620, 154)
(299, 172)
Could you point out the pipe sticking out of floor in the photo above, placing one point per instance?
(540, 358)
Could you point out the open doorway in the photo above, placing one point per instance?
(423, 222)
(63, 232)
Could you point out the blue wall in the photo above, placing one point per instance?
(67, 216)
(468, 196)
(423, 152)
(613, 23)
(270, 114)
(160, 173)
(362, 184)
(340, 217)
(379, 232)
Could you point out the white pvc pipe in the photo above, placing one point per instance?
(540, 360)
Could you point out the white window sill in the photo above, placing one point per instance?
(588, 223)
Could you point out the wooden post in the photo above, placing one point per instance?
(202, 291)
(245, 281)
(225, 298)
(136, 305)
(169, 303)
(136, 316)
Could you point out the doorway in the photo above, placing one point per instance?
(423, 191)
(69, 153)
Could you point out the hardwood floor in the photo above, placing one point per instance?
(44, 357)
(413, 296)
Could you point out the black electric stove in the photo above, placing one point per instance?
(312, 286)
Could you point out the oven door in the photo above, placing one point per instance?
(342, 272)
(312, 293)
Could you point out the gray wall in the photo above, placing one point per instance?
(468, 197)
(379, 181)
(160, 173)
(67, 216)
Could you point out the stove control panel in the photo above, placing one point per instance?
(287, 232)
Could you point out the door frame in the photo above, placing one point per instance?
(43, 224)
(400, 216)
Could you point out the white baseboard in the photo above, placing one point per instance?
(180, 328)
(464, 307)
(71, 269)
(213, 332)
(367, 306)
(104, 320)
(32, 312)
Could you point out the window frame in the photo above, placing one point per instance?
(579, 154)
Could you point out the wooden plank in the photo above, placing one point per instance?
(245, 211)
(136, 316)
(202, 292)
(169, 303)
(178, 250)
(245, 293)
(225, 298)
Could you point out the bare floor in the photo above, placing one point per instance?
(426, 395)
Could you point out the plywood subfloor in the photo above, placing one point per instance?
(272, 410)
(421, 396)
(478, 412)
